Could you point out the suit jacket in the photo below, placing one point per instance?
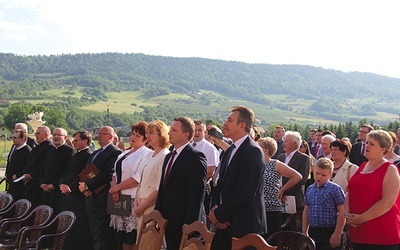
(37, 160)
(17, 161)
(355, 154)
(301, 163)
(77, 164)
(181, 197)
(31, 142)
(105, 163)
(241, 191)
(57, 161)
(279, 150)
(15, 166)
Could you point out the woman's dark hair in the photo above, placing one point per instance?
(343, 146)
(140, 128)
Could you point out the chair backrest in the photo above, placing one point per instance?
(251, 240)
(5, 201)
(195, 243)
(290, 240)
(293, 222)
(65, 221)
(21, 208)
(39, 216)
(152, 231)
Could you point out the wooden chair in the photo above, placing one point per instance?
(195, 243)
(5, 201)
(152, 231)
(290, 240)
(251, 240)
(11, 230)
(16, 211)
(55, 233)
(293, 222)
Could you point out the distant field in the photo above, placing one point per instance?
(218, 108)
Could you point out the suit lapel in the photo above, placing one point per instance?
(235, 158)
(176, 163)
(294, 158)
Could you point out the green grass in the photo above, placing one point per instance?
(130, 102)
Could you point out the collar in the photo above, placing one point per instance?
(106, 145)
(291, 154)
(179, 150)
(83, 149)
(23, 145)
(201, 142)
(240, 141)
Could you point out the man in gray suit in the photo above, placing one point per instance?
(299, 162)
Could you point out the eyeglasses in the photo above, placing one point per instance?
(58, 135)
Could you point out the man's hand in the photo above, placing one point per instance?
(65, 189)
(47, 187)
(27, 178)
(215, 221)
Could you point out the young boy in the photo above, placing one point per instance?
(323, 214)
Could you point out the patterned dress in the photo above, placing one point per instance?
(271, 188)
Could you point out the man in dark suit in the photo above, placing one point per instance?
(16, 162)
(358, 149)
(238, 201)
(183, 181)
(57, 161)
(34, 170)
(279, 133)
(72, 199)
(312, 143)
(22, 126)
(96, 200)
(299, 162)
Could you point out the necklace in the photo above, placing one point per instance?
(340, 165)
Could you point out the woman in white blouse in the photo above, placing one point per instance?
(128, 169)
(158, 139)
(343, 169)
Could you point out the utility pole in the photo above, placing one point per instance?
(108, 116)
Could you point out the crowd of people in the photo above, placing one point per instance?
(232, 179)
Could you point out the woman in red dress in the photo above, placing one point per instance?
(372, 207)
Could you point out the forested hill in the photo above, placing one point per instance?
(156, 75)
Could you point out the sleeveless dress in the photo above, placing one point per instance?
(271, 187)
(365, 189)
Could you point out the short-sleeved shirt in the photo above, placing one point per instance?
(322, 204)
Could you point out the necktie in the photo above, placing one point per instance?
(194, 144)
(225, 161)
(97, 154)
(316, 151)
(168, 169)
(363, 149)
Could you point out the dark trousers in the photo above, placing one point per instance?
(274, 220)
(221, 240)
(173, 236)
(321, 237)
(99, 224)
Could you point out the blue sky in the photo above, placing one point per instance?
(342, 35)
